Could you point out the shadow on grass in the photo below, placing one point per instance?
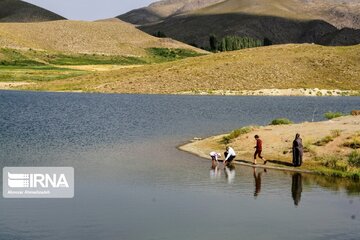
(278, 162)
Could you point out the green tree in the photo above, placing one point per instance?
(231, 43)
(213, 43)
(267, 42)
(159, 34)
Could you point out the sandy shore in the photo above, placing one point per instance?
(305, 92)
(12, 85)
(309, 92)
(277, 141)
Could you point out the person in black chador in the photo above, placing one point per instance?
(296, 188)
(297, 151)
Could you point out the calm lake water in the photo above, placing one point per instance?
(131, 183)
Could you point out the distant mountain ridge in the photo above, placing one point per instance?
(160, 10)
(20, 11)
(340, 13)
(281, 21)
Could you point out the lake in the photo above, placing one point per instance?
(132, 183)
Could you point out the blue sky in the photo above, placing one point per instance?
(90, 9)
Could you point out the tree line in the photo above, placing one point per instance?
(232, 43)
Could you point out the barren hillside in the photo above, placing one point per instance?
(162, 9)
(111, 38)
(340, 13)
(20, 11)
(281, 21)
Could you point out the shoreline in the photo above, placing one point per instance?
(302, 92)
(328, 158)
(184, 148)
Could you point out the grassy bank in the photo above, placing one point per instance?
(36, 73)
(39, 66)
(331, 148)
(276, 67)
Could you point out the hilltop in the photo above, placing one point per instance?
(276, 67)
(281, 21)
(106, 37)
(160, 10)
(20, 11)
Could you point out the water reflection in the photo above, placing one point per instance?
(215, 173)
(296, 188)
(257, 178)
(230, 173)
(352, 187)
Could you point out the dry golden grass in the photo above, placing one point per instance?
(281, 66)
(107, 37)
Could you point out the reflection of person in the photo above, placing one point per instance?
(296, 188)
(297, 151)
(258, 150)
(229, 155)
(214, 172)
(257, 178)
(230, 173)
(215, 157)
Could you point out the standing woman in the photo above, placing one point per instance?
(298, 151)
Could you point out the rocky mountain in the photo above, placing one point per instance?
(340, 13)
(158, 11)
(281, 21)
(20, 11)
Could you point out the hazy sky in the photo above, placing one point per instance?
(90, 9)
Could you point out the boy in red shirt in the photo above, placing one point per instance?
(258, 148)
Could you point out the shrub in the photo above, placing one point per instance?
(336, 133)
(308, 147)
(172, 54)
(330, 162)
(331, 115)
(334, 162)
(354, 143)
(281, 121)
(324, 141)
(236, 133)
(354, 159)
